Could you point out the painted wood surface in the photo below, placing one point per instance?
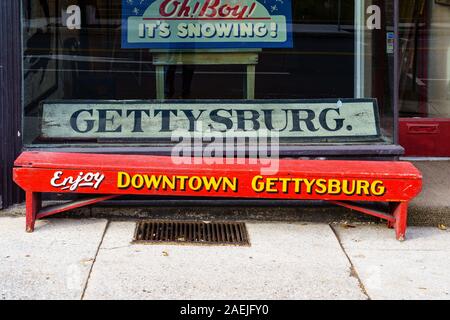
(166, 176)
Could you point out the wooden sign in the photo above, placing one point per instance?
(302, 120)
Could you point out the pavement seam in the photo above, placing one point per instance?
(353, 272)
(95, 259)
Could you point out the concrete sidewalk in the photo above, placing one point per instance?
(94, 259)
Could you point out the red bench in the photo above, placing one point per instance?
(345, 183)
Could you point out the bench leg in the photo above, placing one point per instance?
(401, 220)
(33, 205)
(392, 207)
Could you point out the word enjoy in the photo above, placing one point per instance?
(88, 180)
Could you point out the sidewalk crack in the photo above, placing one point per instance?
(353, 272)
(95, 259)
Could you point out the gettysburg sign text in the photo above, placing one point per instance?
(321, 119)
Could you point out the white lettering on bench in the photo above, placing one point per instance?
(88, 180)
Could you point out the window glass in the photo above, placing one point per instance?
(73, 52)
(425, 64)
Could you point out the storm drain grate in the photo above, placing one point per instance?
(187, 232)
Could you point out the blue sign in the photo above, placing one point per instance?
(207, 24)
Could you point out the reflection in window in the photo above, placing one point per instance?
(425, 63)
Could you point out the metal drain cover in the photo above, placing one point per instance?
(191, 232)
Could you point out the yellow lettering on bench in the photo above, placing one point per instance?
(257, 185)
(123, 180)
(321, 186)
(363, 188)
(152, 182)
(137, 182)
(183, 180)
(346, 189)
(195, 183)
(271, 185)
(298, 184)
(212, 183)
(285, 184)
(230, 184)
(171, 183)
(309, 184)
(377, 188)
(334, 186)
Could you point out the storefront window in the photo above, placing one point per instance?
(75, 56)
(425, 63)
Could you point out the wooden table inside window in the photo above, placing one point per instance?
(248, 58)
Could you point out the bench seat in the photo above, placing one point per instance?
(107, 176)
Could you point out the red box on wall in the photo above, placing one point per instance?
(422, 137)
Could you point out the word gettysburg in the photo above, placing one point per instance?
(222, 120)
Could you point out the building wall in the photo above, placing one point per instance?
(10, 98)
